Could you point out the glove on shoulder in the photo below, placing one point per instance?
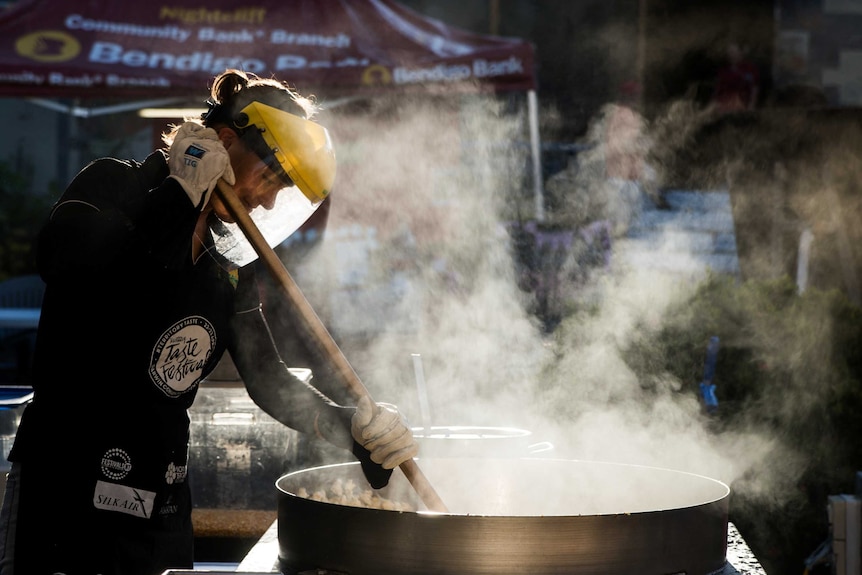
(197, 159)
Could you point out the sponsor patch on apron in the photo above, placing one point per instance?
(123, 499)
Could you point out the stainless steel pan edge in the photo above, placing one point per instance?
(691, 539)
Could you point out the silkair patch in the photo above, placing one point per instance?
(123, 499)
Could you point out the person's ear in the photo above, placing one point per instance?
(227, 136)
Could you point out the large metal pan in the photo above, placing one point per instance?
(537, 516)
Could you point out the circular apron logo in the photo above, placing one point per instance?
(116, 464)
(48, 46)
(180, 355)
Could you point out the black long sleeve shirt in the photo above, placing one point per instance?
(130, 326)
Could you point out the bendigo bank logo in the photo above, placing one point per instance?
(48, 46)
(376, 75)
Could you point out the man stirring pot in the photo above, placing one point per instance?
(146, 290)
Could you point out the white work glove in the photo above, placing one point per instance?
(197, 159)
(381, 429)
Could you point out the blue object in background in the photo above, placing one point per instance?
(707, 387)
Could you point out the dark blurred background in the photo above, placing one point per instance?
(789, 162)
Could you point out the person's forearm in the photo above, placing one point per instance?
(278, 392)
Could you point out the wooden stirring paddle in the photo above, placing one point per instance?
(321, 337)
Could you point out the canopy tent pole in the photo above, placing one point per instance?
(82, 112)
(535, 153)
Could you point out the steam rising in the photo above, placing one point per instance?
(417, 258)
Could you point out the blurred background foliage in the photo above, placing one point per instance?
(21, 216)
(789, 365)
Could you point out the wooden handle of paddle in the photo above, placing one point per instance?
(318, 332)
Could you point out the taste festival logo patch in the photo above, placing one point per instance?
(180, 355)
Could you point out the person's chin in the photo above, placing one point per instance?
(223, 215)
(217, 219)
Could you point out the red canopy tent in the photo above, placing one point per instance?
(104, 48)
(92, 50)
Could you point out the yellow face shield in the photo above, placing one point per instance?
(301, 147)
(296, 149)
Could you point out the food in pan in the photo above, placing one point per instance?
(341, 492)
